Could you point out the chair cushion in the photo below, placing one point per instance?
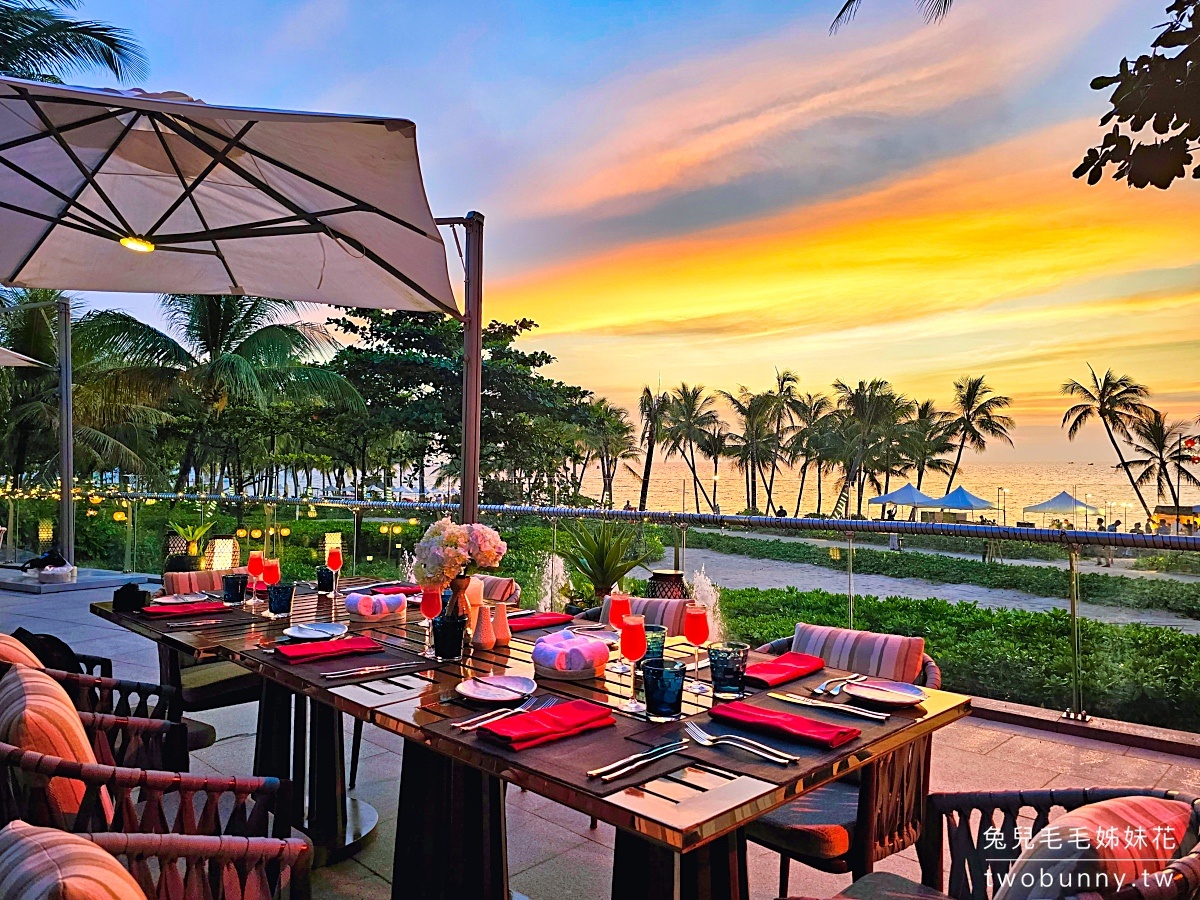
(36, 714)
(817, 825)
(670, 613)
(891, 656)
(212, 684)
(1100, 847)
(13, 651)
(48, 864)
(500, 590)
(189, 582)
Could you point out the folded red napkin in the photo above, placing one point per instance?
(314, 650)
(783, 668)
(397, 589)
(539, 620)
(178, 610)
(784, 724)
(544, 725)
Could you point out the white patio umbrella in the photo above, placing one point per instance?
(127, 191)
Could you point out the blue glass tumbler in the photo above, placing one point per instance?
(727, 667)
(663, 682)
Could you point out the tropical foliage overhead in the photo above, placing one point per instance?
(40, 42)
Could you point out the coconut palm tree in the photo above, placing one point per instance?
(803, 446)
(977, 417)
(783, 404)
(927, 438)
(1161, 458)
(38, 41)
(610, 435)
(1118, 402)
(651, 408)
(754, 444)
(688, 415)
(932, 10)
(864, 413)
(112, 419)
(715, 446)
(220, 350)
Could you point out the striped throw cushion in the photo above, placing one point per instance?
(13, 651)
(48, 864)
(670, 613)
(891, 656)
(1099, 848)
(36, 714)
(499, 590)
(189, 582)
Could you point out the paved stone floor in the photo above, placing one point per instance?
(552, 853)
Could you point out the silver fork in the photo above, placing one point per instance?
(854, 679)
(826, 685)
(702, 737)
(525, 706)
(543, 703)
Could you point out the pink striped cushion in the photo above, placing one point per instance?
(890, 656)
(36, 714)
(670, 613)
(189, 582)
(1100, 848)
(13, 651)
(48, 864)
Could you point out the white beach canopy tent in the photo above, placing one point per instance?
(1061, 505)
(104, 190)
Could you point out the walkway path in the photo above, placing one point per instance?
(1125, 566)
(732, 571)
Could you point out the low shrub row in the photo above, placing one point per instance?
(1043, 581)
(973, 546)
(1137, 673)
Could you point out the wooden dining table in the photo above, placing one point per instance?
(680, 822)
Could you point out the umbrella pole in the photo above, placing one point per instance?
(472, 368)
(66, 444)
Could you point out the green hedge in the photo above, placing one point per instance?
(973, 546)
(1184, 562)
(1043, 581)
(1137, 673)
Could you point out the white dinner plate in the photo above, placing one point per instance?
(175, 599)
(316, 631)
(612, 638)
(497, 688)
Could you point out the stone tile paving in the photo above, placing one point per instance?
(552, 853)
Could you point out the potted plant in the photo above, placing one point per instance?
(602, 554)
(191, 561)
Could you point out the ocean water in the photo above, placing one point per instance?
(1099, 485)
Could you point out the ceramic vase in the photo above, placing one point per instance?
(500, 625)
(482, 635)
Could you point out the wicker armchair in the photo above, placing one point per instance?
(961, 820)
(136, 743)
(850, 824)
(132, 800)
(200, 867)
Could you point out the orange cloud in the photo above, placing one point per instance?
(710, 120)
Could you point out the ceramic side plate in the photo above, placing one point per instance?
(884, 692)
(497, 688)
(316, 631)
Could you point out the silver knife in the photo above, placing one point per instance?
(368, 670)
(644, 761)
(836, 707)
(596, 773)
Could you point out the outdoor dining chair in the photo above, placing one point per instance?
(1000, 843)
(850, 824)
(46, 862)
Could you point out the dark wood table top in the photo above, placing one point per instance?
(682, 809)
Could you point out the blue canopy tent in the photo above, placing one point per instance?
(961, 498)
(905, 496)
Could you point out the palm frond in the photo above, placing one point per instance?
(40, 40)
(120, 334)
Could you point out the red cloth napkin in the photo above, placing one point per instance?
(784, 724)
(783, 668)
(178, 610)
(314, 650)
(539, 620)
(397, 589)
(544, 725)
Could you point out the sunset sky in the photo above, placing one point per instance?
(707, 191)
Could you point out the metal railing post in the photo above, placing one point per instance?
(1076, 711)
(850, 579)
